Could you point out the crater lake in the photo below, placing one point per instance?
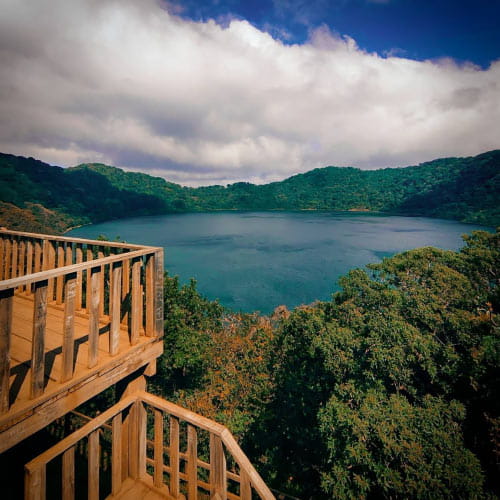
(256, 261)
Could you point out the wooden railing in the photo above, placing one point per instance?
(115, 283)
(204, 460)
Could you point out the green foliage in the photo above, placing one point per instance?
(466, 189)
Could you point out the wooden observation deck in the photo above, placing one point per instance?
(76, 317)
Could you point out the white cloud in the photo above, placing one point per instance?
(130, 84)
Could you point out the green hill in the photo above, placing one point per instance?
(38, 196)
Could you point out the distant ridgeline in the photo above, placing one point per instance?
(35, 196)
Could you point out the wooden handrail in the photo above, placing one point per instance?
(61, 271)
(215, 429)
(51, 237)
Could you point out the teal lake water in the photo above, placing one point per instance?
(259, 260)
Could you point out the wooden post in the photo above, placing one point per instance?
(93, 304)
(29, 262)
(7, 259)
(60, 279)
(125, 290)
(6, 301)
(68, 474)
(245, 486)
(38, 344)
(174, 456)
(89, 279)
(79, 278)
(22, 260)
(51, 264)
(192, 463)
(150, 295)
(100, 255)
(68, 348)
(34, 484)
(158, 449)
(141, 439)
(69, 253)
(158, 304)
(2, 255)
(115, 302)
(136, 312)
(218, 481)
(93, 465)
(37, 267)
(116, 454)
(14, 263)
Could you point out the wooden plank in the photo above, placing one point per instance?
(136, 309)
(60, 279)
(2, 254)
(21, 268)
(14, 263)
(158, 449)
(141, 439)
(89, 280)
(34, 484)
(7, 260)
(158, 297)
(192, 462)
(37, 264)
(69, 254)
(218, 480)
(245, 486)
(38, 345)
(133, 442)
(68, 347)
(114, 329)
(125, 291)
(100, 255)
(150, 295)
(29, 261)
(68, 474)
(6, 302)
(79, 278)
(93, 465)
(174, 456)
(95, 295)
(125, 444)
(51, 264)
(116, 454)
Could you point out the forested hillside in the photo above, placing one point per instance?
(389, 390)
(37, 196)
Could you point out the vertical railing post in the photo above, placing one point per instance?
(125, 291)
(158, 296)
(89, 280)
(218, 480)
(115, 303)
(2, 255)
(116, 454)
(68, 474)
(60, 279)
(93, 465)
(6, 301)
(29, 261)
(174, 456)
(68, 347)
(158, 448)
(150, 295)
(34, 484)
(21, 268)
(38, 343)
(245, 486)
(14, 263)
(93, 304)
(137, 440)
(79, 277)
(192, 462)
(7, 259)
(38, 264)
(100, 255)
(136, 309)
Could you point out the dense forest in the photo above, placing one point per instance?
(389, 390)
(39, 197)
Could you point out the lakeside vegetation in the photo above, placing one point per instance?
(41, 197)
(389, 390)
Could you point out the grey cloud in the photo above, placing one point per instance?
(134, 86)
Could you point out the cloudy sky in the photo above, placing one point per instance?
(218, 91)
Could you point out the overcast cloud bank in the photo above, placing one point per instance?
(129, 84)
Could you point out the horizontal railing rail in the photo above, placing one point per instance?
(136, 426)
(113, 287)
